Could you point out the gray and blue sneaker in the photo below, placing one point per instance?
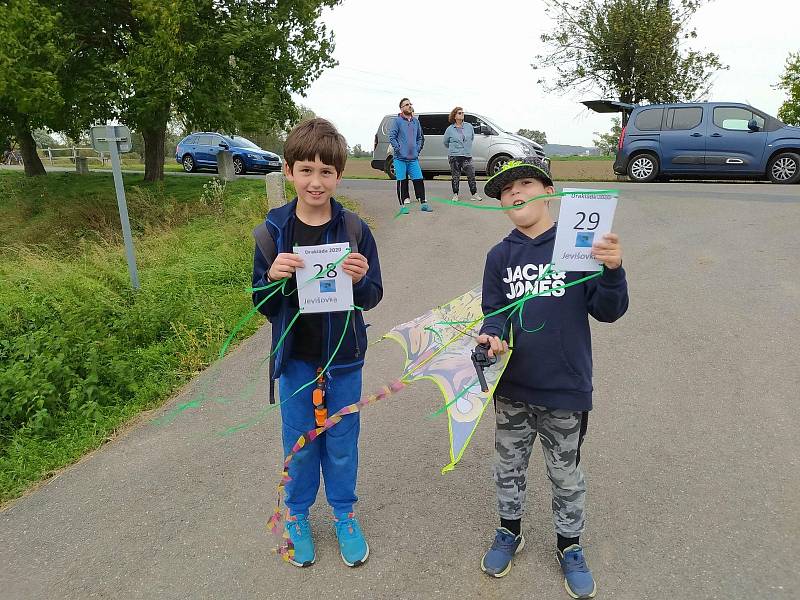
(578, 578)
(497, 560)
(352, 545)
(299, 530)
(426, 207)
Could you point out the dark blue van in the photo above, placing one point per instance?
(704, 140)
(199, 151)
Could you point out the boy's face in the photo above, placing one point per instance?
(520, 191)
(314, 181)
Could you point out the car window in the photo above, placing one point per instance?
(735, 118)
(243, 142)
(472, 120)
(649, 119)
(683, 118)
(204, 140)
(434, 124)
(190, 140)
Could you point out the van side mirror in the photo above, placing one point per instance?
(223, 145)
(752, 125)
(482, 129)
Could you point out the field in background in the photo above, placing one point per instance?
(578, 168)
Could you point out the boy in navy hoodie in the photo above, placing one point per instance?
(546, 388)
(315, 156)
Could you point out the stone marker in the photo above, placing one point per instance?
(225, 169)
(82, 165)
(276, 192)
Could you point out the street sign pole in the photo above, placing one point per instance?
(122, 204)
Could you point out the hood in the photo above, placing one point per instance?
(523, 140)
(517, 237)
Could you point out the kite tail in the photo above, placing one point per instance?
(275, 524)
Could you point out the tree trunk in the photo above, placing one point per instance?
(154, 152)
(33, 164)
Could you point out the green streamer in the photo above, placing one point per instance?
(542, 197)
(249, 316)
(462, 393)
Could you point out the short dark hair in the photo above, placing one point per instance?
(452, 117)
(316, 137)
(403, 100)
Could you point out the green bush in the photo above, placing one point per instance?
(80, 352)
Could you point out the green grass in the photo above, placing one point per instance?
(80, 353)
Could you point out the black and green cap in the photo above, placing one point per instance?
(530, 166)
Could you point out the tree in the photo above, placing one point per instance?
(540, 137)
(607, 142)
(54, 69)
(227, 65)
(358, 152)
(789, 111)
(626, 49)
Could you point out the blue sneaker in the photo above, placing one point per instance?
(403, 210)
(352, 545)
(497, 560)
(426, 207)
(578, 578)
(299, 531)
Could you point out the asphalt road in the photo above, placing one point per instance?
(691, 456)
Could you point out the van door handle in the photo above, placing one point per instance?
(716, 135)
(697, 135)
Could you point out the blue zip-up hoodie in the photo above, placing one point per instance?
(551, 362)
(405, 136)
(456, 146)
(281, 308)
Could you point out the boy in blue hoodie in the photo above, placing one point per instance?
(546, 388)
(315, 155)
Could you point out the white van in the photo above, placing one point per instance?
(492, 148)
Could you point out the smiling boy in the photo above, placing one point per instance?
(546, 388)
(315, 155)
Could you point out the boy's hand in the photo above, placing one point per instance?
(284, 265)
(496, 345)
(608, 251)
(356, 266)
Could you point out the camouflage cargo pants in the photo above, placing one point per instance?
(561, 433)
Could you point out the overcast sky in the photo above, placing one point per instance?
(477, 54)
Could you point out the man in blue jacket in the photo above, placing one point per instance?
(407, 140)
(546, 389)
(326, 348)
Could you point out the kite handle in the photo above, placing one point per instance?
(481, 360)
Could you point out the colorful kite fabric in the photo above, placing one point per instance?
(438, 347)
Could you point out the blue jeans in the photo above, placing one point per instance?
(335, 451)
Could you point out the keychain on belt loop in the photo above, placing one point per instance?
(318, 398)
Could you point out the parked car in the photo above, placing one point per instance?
(704, 140)
(199, 151)
(493, 146)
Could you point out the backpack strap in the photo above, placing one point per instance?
(268, 249)
(352, 223)
(265, 242)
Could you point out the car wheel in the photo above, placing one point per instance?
(784, 168)
(188, 164)
(238, 166)
(389, 167)
(643, 168)
(496, 164)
